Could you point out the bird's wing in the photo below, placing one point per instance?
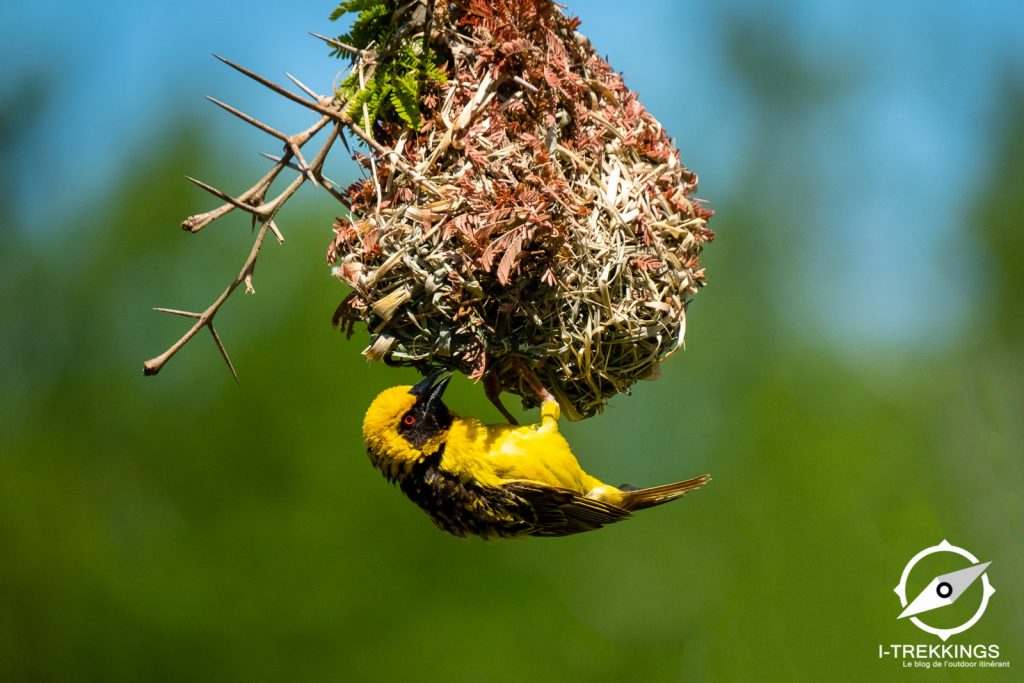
(554, 511)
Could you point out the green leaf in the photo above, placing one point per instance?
(436, 74)
(349, 86)
(393, 94)
(372, 26)
(406, 101)
(353, 6)
(374, 105)
(355, 104)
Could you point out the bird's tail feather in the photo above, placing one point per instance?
(656, 495)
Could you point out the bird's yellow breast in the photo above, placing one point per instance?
(494, 454)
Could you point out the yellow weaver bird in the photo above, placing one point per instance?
(494, 480)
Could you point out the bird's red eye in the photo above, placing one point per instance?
(409, 420)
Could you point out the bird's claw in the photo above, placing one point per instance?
(548, 404)
(492, 389)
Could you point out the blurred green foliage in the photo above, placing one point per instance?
(185, 528)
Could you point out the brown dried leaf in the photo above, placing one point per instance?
(647, 262)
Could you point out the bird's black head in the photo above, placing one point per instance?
(429, 416)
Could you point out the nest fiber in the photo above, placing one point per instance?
(531, 212)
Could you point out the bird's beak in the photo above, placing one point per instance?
(431, 389)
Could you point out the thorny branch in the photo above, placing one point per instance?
(254, 200)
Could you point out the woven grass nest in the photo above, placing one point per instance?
(525, 211)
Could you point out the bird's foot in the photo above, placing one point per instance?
(550, 409)
(492, 389)
(548, 404)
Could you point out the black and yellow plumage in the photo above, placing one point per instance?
(493, 480)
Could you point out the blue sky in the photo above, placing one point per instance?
(899, 150)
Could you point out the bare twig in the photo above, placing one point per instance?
(344, 46)
(326, 110)
(254, 201)
(248, 119)
(323, 181)
(205, 319)
(255, 194)
(255, 210)
(302, 86)
(276, 231)
(525, 83)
